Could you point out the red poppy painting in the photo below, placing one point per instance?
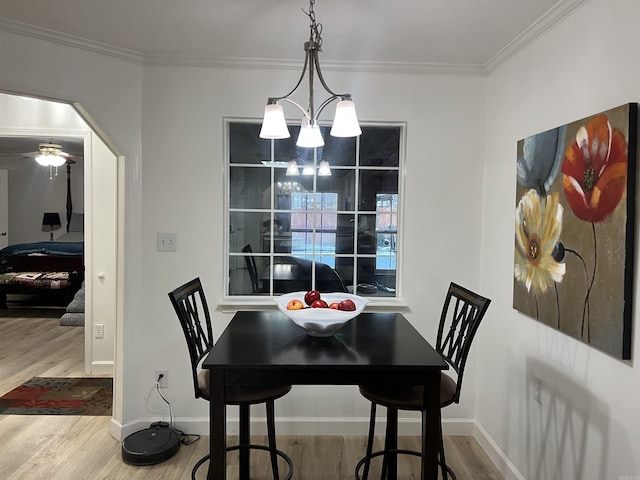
(574, 228)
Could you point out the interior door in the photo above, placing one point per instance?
(4, 208)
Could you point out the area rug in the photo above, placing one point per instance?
(59, 396)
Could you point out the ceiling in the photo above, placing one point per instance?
(450, 36)
(474, 34)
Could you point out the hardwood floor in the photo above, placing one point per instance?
(74, 448)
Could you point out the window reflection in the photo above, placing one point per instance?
(304, 231)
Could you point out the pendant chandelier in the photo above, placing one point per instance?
(345, 122)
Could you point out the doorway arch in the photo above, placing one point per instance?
(104, 240)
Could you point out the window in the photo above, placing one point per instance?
(298, 232)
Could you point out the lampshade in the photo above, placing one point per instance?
(345, 122)
(273, 124)
(324, 170)
(51, 220)
(308, 169)
(309, 136)
(292, 169)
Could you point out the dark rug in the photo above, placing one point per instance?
(59, 396)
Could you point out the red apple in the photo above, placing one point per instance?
(334, 305)
(347, 305)
(319, 304)
(311, 296)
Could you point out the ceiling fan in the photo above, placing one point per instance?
(48, 155)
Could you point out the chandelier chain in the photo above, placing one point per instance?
(316, 28)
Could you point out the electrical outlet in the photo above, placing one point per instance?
(537, 390)
(166, 242)
(164, 381)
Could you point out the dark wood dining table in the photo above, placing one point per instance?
(266, 348)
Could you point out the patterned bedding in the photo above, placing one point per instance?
(44, 280)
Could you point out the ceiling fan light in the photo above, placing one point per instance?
(273, 124)
(57, 160)
(345, 122)
(42, 160)
(310, 137)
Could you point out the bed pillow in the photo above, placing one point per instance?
(77, 222)
(71, 237)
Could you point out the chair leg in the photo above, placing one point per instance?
(446, 471)
(372, 428)
(271, 432)
(390, 458)
(245, 436)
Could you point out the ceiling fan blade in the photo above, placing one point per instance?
(25, 155)
(69, 155)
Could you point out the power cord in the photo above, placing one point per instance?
(185, 438)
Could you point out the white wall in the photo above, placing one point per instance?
(109, 91)
(183, 192)
(175, 118)
(588, 426)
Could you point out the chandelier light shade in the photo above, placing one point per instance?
(345, 122)
(292, 169)
(274, 125)
(324, 170)
(309, 136)
(308, 169)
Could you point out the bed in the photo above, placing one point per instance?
(51, 267)
(46, 267)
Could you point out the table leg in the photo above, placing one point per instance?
(431, 427)
(217, 427)
(244, 440)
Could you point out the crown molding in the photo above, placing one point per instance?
(557, 13)
(561, 10)
(64, 39)
(338, 66)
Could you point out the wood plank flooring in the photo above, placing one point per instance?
(77, 448)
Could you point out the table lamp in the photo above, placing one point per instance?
(52, 221)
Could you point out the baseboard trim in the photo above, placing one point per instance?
(495, 454)
(299, 426)
(335, 426)
(102, 367)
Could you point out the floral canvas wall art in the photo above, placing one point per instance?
(574, 228)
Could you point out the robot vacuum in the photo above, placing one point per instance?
(155, 444)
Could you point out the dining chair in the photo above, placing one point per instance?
(191, 308)
(461, 315)
(251, 267)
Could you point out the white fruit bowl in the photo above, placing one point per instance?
(321, 322)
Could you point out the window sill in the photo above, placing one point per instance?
(377, 304)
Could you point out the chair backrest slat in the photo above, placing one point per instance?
(251, 267)
(462, 313)
(192, 310)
